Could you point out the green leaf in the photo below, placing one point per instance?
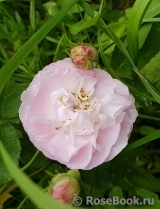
(86, 8)
(118, 42)
(149, 86)
(51, 7)
(133, 26)
(152, 70)
(34, 193)
(124, 51)
(92, 177)
(39, 162)
(104, 176)
(146, 130)
(153, 9)
(151, 20)
(148, 194)
(124, 70)
(101, 47)
(9, 68)
(144, 182)
(10, 99)
(116, 191)
(85, 23)
(144, 140)
(9, 138)
(135, 171)
(119, 29)
(151, 47)
(19, 20)
(149, 117)
(143, 33)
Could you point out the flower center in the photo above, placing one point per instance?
(75, 111)
(84, 102)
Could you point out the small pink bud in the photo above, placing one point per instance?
(84, 57)
(64, 187)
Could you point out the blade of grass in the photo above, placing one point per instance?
(86, 8)
(149, 86)
(31, 161)
(123, 49)
(3, 53)
(151, 20)
(23, 201)
(58, 46)
(133, 26)
(101, 50)
(153, 9)
(143, 140)
(148, 117)
(33, 26)
(118, 42)
(32, 15)
(34, 193)
(21, 78)
(9, 68)
(100, 44)
(138, 93)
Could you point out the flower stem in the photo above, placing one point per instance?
(31, 161)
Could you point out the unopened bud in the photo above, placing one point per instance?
(64, 187)
(84, 56)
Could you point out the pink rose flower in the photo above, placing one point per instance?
(79, 118)
(64, 188)
(84, 56)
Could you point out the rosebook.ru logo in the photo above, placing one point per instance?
(113, 201)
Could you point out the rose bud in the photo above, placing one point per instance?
(64, 187)
(84, 57)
